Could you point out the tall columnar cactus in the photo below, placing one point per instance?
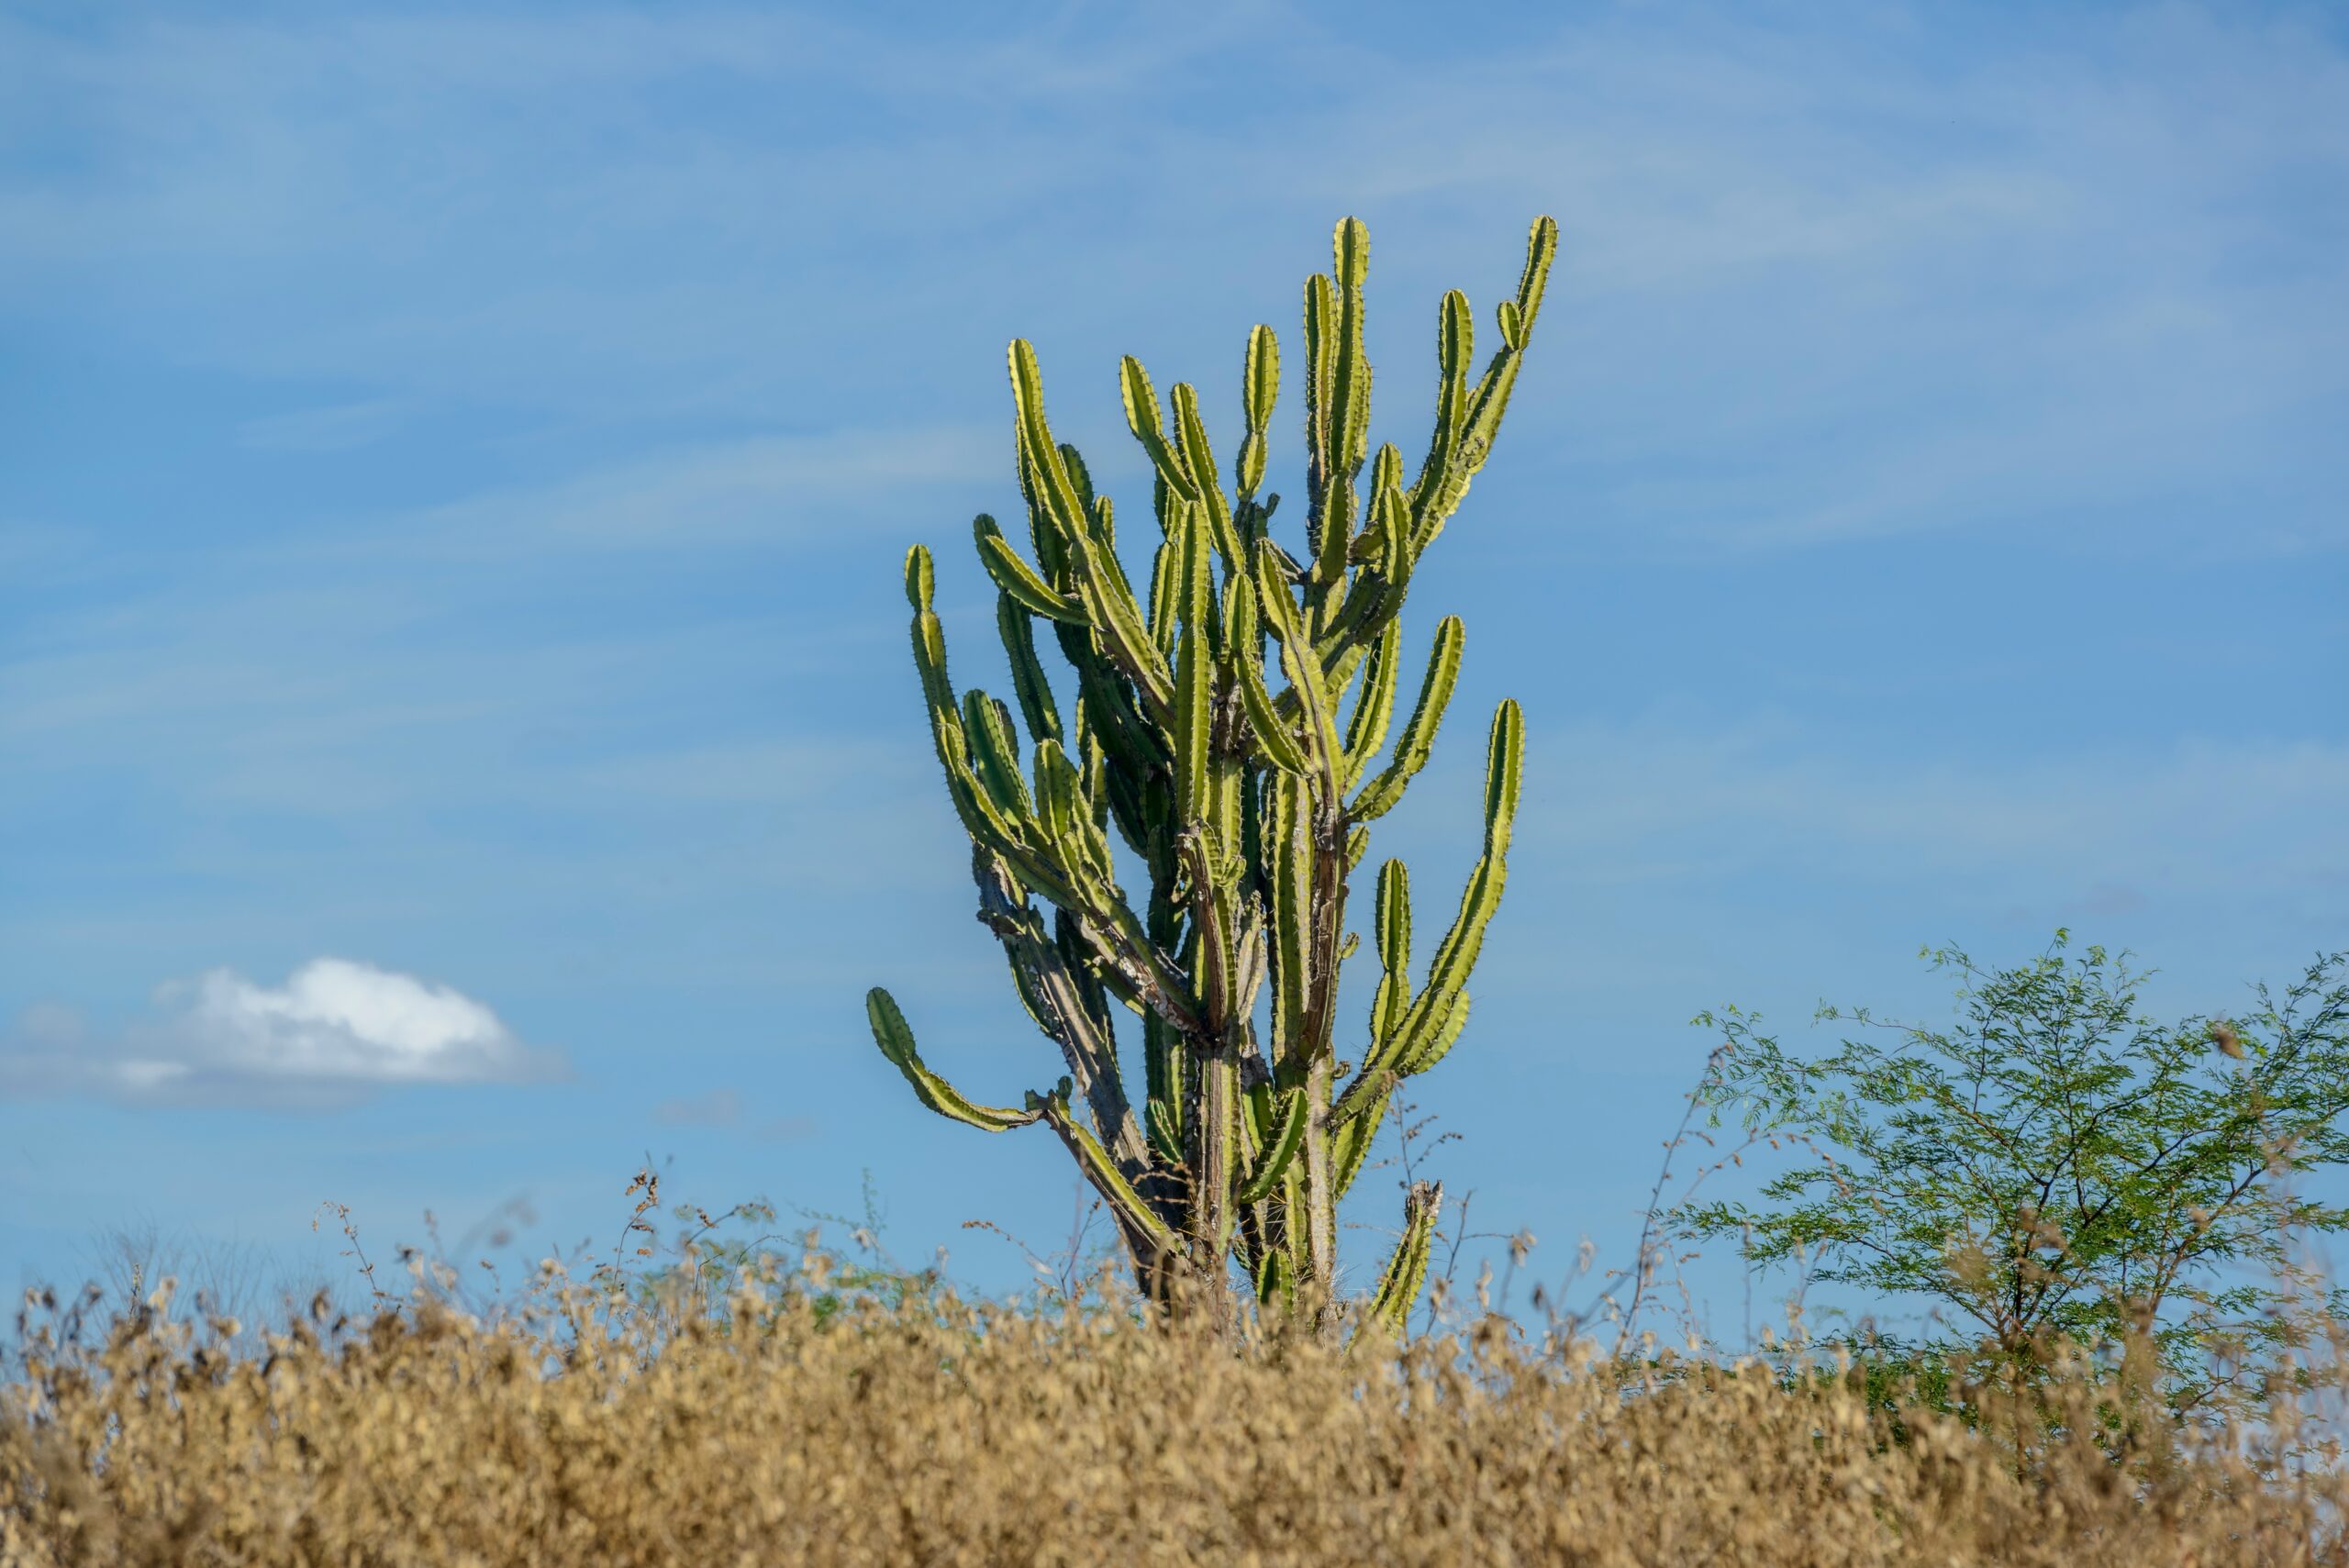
(1227, 726)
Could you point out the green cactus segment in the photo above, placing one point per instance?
(1427, 1051)
(1290, 850)
(1217, 1157)
(1143, 420)
(1277, 1283)
(1199, 458)
(1480, 423)
(1407, 1268)
(1018, 579)
(1223, 756)
(1148, 1233)
(1456, 344)
(1427, 1027)
(1347, 419)
(1273, 733)
(1303, 669)
(1086, 538)
(995, 753)
(1504, 770)
(1418, 742)
(896, 1043)
(1194, 670)
(1541, 250)
(1374, 704)
(1389, 1008)
(1029, 684)
(1350, 1145)
(1286, 1136)
(1165, 1136)
(1260, 388)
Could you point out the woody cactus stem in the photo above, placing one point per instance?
(1227, 726)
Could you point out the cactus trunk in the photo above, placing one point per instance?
(1211, 733)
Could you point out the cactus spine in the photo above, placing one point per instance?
(1211, 734)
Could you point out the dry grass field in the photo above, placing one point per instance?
(797, 1426)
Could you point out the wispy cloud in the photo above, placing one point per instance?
(764, 490)
(722, 1110)
(719, 1107)
(1640, 803)
(1922, 278)
(335, 428)
(336, 1032)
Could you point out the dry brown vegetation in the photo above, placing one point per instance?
(792, 1427)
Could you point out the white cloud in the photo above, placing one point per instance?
(335, 1031)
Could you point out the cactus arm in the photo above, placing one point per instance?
(995, 754)
(1504, 774)
(1089, 543)
(1216, 1130)
(1057, 1001)
(1407, 1268)
(1481, 423)
(1018, 579)
(1369, 1088)
(1288, 847)
(1435, 1019)
(1166, 1139)
(1374, 549)
(1394, 930)
(1541, 250)
(1272, 733)
(1146, 1231)
(1037, 709)
(1102, 539)
(1455, 341)
(1275, 1282)
(1214, 1161)
(1281, 1144)
(1375, 595)
(980, 812)
(1320, 344)
(1076, 882)
(1199, 458)
(1194, 670)
(1348, 415)
(1165, 586)
(1259, 386)
(897, 1043)
(1303, 669)
(1062, 807)
(1439, 1041)
(1350, 1145)
(1135, 964)
(1378, 797)
(1142, 418)
(1374, 704)
(1359, 1110)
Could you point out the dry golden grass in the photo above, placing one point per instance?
(951, 1434)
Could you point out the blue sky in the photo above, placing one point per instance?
(454, 464)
